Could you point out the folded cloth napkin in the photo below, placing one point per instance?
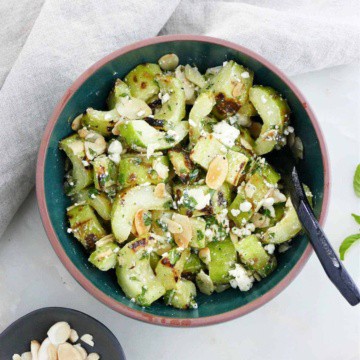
(68, 36)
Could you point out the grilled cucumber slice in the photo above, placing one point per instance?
(135, 275)
(141, 81)
(128, 202)
(172, 110)
(139, 135)
(80, 176)
(274, 112)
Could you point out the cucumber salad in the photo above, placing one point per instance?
(170, 187)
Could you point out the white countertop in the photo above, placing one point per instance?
(308, 320)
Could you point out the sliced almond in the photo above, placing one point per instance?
(67, 351)
(234, 238)
(238, 89)
(43, 351)
(74, 337)
(52, 352)
(182, 239)
(16, 357)
(34, 348)
(93, 356)
(83, 132)
(95, 145)
(81, 350)
(269, 135)
(133, 229)
(173, 227)
(217, 172)
(245, 144)
(87, 339)
(161, 169)
(76, 124)
(139, 223)
(26, 356)
(204, 255)
(260, 221)
(115, 131)
(160, 190)
(59, 333)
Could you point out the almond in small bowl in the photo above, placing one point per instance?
(49, 334)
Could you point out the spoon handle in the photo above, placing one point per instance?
(324, 251)
(327, 256)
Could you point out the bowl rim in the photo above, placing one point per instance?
(82, 280)
(35, 312)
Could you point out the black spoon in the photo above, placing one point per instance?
(285, 162)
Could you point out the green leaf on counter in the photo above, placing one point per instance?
(347, 243)
(356, 217)
(356, 181)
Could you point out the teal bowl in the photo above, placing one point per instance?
(91, 89)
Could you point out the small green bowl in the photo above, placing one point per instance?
(90, 90)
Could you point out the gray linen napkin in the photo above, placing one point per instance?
(69, 36)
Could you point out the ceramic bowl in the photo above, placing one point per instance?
(91, 89)
(34, 326)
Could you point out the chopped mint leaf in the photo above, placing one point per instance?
(199, 234)
(267, 212)
(169, 138)
(147, 218)
(92, 152)
(93, 192)
(174, 256)
(193, 174)
(161, 225)
(188, 201)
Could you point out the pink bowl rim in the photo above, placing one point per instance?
(92, 289)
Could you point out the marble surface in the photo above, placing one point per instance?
(309, 320)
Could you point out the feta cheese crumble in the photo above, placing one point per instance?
(150, 150)
(245, 206)
(165, 98)
(161, 169)
(250, 190)
(245, 75)
(268, 204)
(199, 196)
(270, 248)
(172, 134)
(226, 133)
(235, 212)
(114, 151)
(241, 278)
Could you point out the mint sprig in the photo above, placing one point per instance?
(347, 243)
(352, 239)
